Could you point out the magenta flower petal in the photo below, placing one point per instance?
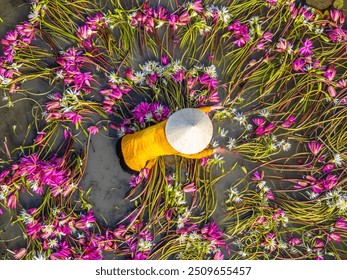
(334, 236)
(341, 223)
(315, 147)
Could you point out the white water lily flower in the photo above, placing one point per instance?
(337, 160)
(27, 218)
(113, 78)
(231, 143)
(139, 78)
(241, 118)
(264, 113)
(224, 15)
(223, 132)
(5, 81)
(215, 144)
(211, 71)
(53, 243)
(39, 256)
(237, 199)
(144, 245)
(286, 146)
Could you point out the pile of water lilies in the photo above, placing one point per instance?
(277, 67)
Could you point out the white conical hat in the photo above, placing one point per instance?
(189, 131)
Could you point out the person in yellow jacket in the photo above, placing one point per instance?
(185, 133)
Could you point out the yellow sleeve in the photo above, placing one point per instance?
(205, 109)
(203, 153)
(150, 164)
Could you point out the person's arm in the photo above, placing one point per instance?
(205, 109)
(203, 153)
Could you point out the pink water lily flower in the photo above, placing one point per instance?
(261, 220)
(341, 83)
(267, 36)
(294, 241)
(12, 201)
(337, 35)
(208, 81)
(218, 256)
(144, 173)
(258, 176)
(53, 116)
(62, 254)
(11, 38)
(240, 32)
(74, 117)
(264, 130)
(279, 213)
(20, 253)
(214, 97)
(189, 188)
(317, 188)
(197, 6)
(52, 105)
(332, 91)
(319, 245)
(334, 236)
(129, 74)
(338, 17)
(134, 180)
(34, 229)
(330, 181)
(93, 130)
(168, 215)
(115, 92)
(270, 241)
(40, 136)
(140, 256)
(151, 79)
(141, 110)
(119, 231)
(258, 121)
(82, 80)
(161, 13)
(330, 72)
(288, 122)
(165, 60)
(211, 232)
(306, 50)
(315, 147)
(173, 20)
(284, 46)
(191, 82)
(86, 220)
(96, 21)
(67, 133)
(184, 18)
(270, 195)
(204, 161)
(27, 31)
(84, 32)
(328, 167)
(299, 64)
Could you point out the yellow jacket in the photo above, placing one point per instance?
(141, 148)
